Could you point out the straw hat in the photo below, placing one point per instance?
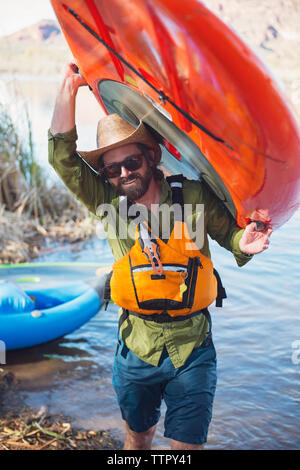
(113, 132)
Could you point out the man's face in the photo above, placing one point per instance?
(133, 184)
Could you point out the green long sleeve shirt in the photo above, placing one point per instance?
(147, 338)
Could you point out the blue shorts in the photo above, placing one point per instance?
(188, 392)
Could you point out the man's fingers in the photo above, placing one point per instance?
(72, 72)
(257, 226)
(268, 234)
(71, 68)
(74, 68)
(251, 227)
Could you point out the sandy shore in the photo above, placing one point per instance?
(26, 428)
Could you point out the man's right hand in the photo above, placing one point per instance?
(63, 119)
(73, 77)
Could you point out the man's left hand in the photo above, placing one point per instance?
(254, 241)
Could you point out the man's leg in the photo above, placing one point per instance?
(138, 440)
(189, 398)
(139, 394)
(143, 441)
(177, 445)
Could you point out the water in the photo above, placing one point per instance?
(257, 399)
(256, 334)
(22, 94)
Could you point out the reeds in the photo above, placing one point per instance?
(31, 209)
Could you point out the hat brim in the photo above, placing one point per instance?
(139, 135)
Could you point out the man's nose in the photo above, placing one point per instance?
(124, 172)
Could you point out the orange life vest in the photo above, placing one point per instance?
(155, 277)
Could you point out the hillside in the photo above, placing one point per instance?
(39, 49)
(46, 31)
(268, 25)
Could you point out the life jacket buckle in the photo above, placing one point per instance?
(150, 249)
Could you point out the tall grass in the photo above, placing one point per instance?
(24, 186)
(21, 177)
(31, 208)
(14, 160)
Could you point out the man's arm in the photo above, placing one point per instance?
(63, 119)
(222, 227)
(87, 186)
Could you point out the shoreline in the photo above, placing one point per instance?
(24, 239)
(25, 428)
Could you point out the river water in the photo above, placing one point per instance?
(256, 335)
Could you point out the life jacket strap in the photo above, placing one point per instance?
(164, 317)
(150, 248)
(176, 184)
(107, 292)
(221, 292)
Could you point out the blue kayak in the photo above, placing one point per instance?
(38, 314)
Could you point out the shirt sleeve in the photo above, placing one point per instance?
(222, 227)
(87, 186)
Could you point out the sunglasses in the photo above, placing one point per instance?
(131, 163)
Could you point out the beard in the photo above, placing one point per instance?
(137, 189)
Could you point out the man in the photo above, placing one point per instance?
(162, 353)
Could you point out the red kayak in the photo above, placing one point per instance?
(180, 69)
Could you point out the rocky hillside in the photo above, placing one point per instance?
(39, 49)
(45, 31)
(271, 25)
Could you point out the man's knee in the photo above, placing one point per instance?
(139, 440)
